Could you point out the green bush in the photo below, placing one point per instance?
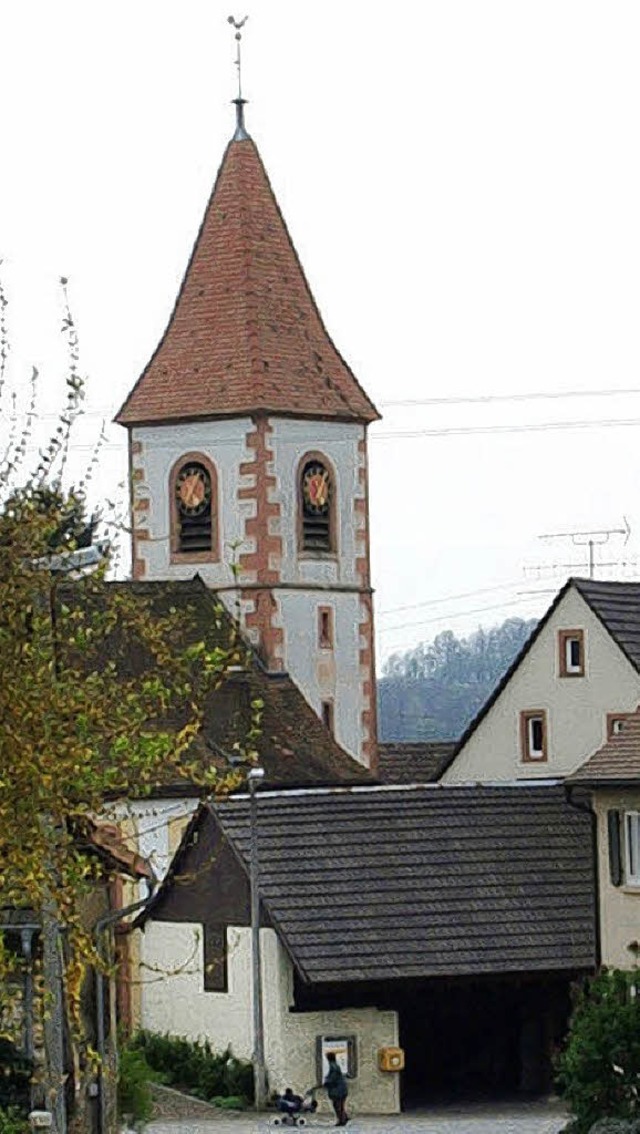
(616, 1126)
(599, 1068)
(231, 1102)
(195, 1067)
(135, 1077)
(15, 1077)
(13, 1121)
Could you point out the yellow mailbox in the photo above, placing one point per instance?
(391, 1059)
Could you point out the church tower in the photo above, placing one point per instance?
(248, 454)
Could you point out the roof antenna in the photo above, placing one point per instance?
(240, 102)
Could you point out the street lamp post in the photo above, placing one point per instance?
(256, 775)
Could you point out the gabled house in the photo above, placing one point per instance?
(294, 747)
(570, 688)
(612, 778)
(390, 915)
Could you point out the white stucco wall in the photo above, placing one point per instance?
(151, 820)
(338, 442)
(327, 674)
(619, 905)
(175, 1001)
(322, 675)
(334, 675)
(576, 707)
(223, 442)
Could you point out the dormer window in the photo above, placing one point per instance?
(194, 509)
(571, 653)
(316, 506)
(615, 724)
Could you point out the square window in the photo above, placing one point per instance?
(325, 627)
(533, 735)
(632, 847)
(615, 724)
(571, 653)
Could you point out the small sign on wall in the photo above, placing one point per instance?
(344, 1048)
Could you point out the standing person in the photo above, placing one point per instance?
(337, 1090)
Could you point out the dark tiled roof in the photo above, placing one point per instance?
(618, 761)
(294, 747)
(245, 335)
(413, 762)
(376, 884)
(617, 605)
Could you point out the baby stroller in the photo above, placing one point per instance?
(292, 1108)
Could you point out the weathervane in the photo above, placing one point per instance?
(238, 25)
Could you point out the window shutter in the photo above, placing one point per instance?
(615, 849)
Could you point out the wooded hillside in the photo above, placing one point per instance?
(434, 690)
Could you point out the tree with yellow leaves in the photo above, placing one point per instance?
(93, 679)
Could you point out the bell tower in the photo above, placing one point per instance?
(248, 454)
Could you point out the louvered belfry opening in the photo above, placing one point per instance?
(194, 507)
(315, 491)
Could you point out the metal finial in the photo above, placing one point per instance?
(241, 133)
(238, 25)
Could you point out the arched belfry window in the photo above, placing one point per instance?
(317, 506)
(194, 507)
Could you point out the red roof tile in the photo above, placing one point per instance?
(618, 761)
(245, 335)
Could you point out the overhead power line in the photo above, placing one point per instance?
(403, 434)
(460, 614)
(449, 598)
(532, 396)
(107, 412)
(539, 427)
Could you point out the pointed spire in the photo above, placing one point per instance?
(241, 133)
(245, 335)
(240, 102)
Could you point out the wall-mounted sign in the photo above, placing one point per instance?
(344, 1048)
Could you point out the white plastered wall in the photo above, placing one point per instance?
(321, 674)
(619, 905)
(178, 1004)
(224, 443)
(576, 707)
(156, 826)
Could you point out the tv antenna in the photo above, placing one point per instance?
(591, 539)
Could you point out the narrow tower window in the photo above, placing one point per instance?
(326, 713)
(325, 628)
(194, 506)
(316, 506)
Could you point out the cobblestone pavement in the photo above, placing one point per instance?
(517, 1118)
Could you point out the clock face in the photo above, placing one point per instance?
(316, 488)
(193, 490)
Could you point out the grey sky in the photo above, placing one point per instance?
(461, 180)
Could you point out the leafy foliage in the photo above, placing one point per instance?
(135, 1076)
(197, 1068)
(15, 1075)
(599, 1068)
(13, 1121)
(101, 696)
(434, 691)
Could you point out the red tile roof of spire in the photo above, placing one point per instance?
(245, 334)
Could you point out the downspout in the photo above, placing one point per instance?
(588, 810)
(99, 928)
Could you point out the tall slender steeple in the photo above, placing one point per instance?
(248, 431)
